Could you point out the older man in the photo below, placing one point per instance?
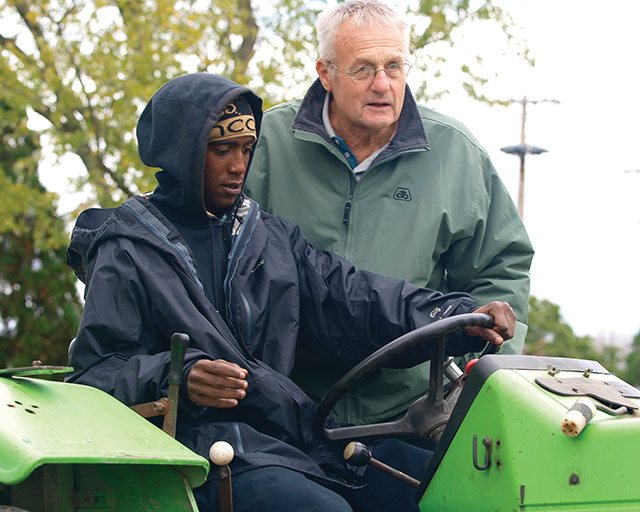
(394, 187)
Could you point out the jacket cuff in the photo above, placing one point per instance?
(186, 406)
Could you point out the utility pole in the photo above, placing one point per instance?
(523, 148)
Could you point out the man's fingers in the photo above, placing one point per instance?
(222, 367)
(216, 383)
(222, 403)
(486, 334)
(219, 381)
(215, 397)
(504, 323)
(211, 396)
(504, 320)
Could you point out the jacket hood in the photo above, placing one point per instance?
(173, 133)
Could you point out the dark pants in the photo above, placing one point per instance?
(275, 489)
(272, 489)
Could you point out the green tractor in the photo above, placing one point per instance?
(512, 433)
(68, 447)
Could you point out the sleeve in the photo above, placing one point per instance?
(122, 346)
(493, 262)
(348, 314)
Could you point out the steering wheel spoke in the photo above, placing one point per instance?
(428, 415)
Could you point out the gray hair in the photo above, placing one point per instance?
(363, 13)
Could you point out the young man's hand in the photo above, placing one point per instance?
(504, 323)
(216, 383)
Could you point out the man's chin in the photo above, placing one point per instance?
(379, 123)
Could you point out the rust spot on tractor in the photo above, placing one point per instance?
(574, 479)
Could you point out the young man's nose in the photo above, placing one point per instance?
(239, 163)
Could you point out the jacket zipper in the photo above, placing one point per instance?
(346, 216)
(347, 212)
(236, 431)
(247, 311)
(237, 326)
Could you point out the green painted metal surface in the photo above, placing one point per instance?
(48, 423)
(534, 466)
(104, 488)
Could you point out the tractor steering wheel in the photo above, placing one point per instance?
(429, 414)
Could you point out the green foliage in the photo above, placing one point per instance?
(88, 67)
(550, 335)
(439, 22)
(633, 362)
(39, 305)
(447, 15)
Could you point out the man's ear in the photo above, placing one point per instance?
(323, 69)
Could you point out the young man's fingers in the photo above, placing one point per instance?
(223, 403)
(202, 393)
(222, 367)
(218, 373)
(504, 318)
(486, 334)
(216, 383)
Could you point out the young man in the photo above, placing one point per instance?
(199, 257)
(394, 187)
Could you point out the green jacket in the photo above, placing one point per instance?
(431, 210)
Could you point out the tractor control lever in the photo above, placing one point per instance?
(358, 454)
(221, 453)
(179, 345)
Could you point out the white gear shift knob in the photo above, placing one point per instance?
(221, 453)
(577, 417)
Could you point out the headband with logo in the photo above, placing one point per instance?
(235, 121)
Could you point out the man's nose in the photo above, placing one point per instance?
(381, 81)
(239, 163)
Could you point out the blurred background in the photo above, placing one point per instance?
(549, 88)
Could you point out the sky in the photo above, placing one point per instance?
(581, 202)
(581, 205)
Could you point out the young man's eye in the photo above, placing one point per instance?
(218, 149)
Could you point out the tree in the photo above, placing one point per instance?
(633, 362)
(549, 335)
(39, 305)
(446, 19)
(89, 66)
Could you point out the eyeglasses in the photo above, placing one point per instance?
(363, 74)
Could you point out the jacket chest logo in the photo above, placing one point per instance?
(402, 194)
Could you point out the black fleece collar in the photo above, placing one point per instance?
(410, 136)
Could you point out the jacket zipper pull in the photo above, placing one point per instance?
(347, 213)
